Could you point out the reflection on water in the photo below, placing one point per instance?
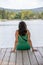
(8, 28)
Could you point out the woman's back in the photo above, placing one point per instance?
(23, 43)
(22, 39)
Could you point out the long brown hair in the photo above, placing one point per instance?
(22, 28)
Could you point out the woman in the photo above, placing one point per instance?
(22, 38)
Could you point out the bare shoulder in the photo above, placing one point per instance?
(28, 32)
(16, 33)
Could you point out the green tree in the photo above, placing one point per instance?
(18, 15)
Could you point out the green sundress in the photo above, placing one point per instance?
(23, 44)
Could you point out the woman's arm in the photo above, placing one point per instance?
(29, 40)
(16, 41)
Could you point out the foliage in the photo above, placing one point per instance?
(23, 14)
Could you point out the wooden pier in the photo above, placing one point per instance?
(21, 57)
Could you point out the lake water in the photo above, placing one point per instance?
(8, 28)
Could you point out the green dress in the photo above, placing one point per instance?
(23, 44)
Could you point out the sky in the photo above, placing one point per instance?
(21, 4)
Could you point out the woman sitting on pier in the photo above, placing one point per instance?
(22, 38)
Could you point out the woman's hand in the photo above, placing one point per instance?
(34, 50)
(13, 50)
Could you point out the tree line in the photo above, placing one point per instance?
(23, 14)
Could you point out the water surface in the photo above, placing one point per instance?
(8, 28)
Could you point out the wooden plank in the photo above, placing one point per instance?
(12, 59)
(2, 54)
(39, 58)
(25, 58)
(40, 51)
(6, 58)
(0, 50)
(32, 58)
(19, 58)
(22, 57)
